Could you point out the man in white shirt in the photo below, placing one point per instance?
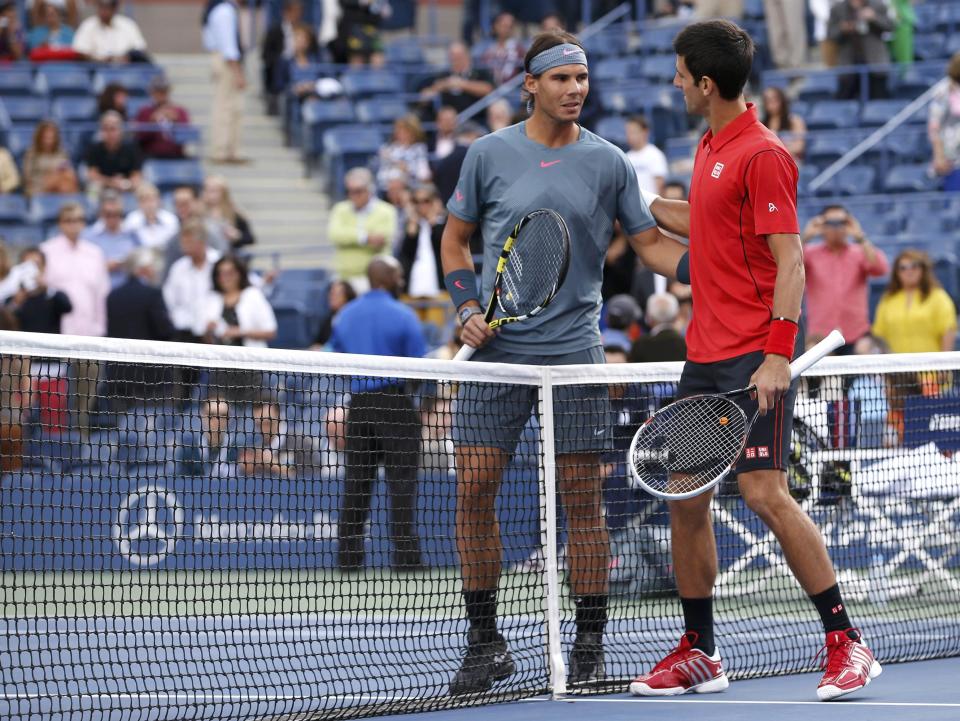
(152, 225)
(647, 159)
(109, 37)
(221, 37)
(190, 281)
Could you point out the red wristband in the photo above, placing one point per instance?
(782, 338)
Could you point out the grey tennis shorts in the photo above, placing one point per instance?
(494, 415)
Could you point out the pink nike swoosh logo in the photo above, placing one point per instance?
(459, 284)
(544, 164)
(459, 195)
(569, 52)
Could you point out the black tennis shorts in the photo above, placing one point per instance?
(768, 446)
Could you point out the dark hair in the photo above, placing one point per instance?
(784, 115)
(953, 67)
(545, 41)
(241, 269)
(676, 184)
(640, 120)
(834, 206)
(719, 50)
(348, 290)
(32, 250)
(928, 281)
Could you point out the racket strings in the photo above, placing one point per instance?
(689, 444)
(535, 267)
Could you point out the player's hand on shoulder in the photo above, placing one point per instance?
(476, 332)
(772, 380)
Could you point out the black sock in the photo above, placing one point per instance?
(591, 613)
(832, 612)
(698, 617)
(482, 613)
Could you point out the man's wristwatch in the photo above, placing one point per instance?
(468, 311)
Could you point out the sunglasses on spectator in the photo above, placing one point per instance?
(112, 214)
(835, 222)
(908, 266)
(423, 199)
(74, 219)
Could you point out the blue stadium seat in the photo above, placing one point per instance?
(953, 44)
(946, 269)
(878, 112)
(349, 147)
(170, 174)
(928, 15)
(614, 129)
(807, 173)
(680, 148)
(16, 81)
(834, 114)
(875, 290)
(305, 276)
(405, 51)
(610, 42)
(660, 68)
(13, 209)
(293, 330)
(623, 69)
(925, 224)
(852, 180)
(364, 83)
(879, 225)
(910, 178)
(24, 109)
(753, 9)
(319, 116)
(59, 80)
(930, 46)
(21, 236)
(659, 40)
(914, 80)
(135, 78)
(824, 148)
(45, 207)
(381, 109)
(69, 110)
(907, 145)
(949, 18)
(818, 86)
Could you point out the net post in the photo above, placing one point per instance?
(548, 482)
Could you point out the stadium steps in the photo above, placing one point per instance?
(287, 211)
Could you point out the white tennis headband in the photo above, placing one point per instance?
(566, 54)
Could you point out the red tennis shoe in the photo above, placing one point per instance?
(684, 670)
(849, 665)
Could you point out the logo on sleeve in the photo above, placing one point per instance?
(772, 208)
(545, 164)
(717, 169)
(458, 195)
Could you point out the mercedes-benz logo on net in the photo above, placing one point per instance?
(149, 522)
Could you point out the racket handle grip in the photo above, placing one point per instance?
(465, 353)
(825, 347)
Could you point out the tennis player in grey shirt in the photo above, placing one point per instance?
(548, 161)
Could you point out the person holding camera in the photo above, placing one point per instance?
(838, 269)
(859, 29)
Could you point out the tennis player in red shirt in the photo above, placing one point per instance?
(746, 275)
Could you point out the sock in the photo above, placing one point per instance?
(832, 612)
(482, 613)
(591, 613)
(698, 618)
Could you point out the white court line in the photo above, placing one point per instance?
(734, 702)
(209, 697)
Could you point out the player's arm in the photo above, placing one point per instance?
(674, 215)
(458, 261)
(658, 252)
(772, 378)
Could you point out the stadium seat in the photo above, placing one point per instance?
(59, 80)
(293, 330)
(930, 46)
(135, 77)
(24, 109)
(614, 129)
(928, 15)
(659, 40)
(170, 174)
(753, 9)
(349, 147)
(906, 145)
(16, 82)
(364, 83)
(381, 109)
(818, 86)
(45, 207)
(68, 110)
(807, 173)
(910, 178)
(834, 114)
(946, 269)
(305, 276)
(949, 18)
(21, 236)
(615, 69)
(607, 43)
(925, 224)
(404, 51)
(13, 209)
(660, 68)
(825, 147)
(878, 112)
(319, 116)
(879, 225)
(852, 180)
(915, 79)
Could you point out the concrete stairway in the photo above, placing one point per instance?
(287, 211)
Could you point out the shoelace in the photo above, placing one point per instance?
(691, 638)
(836, 661)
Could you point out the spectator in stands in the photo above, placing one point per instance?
(358, 32)
(339, 294)
(445, 139)
(38, 309)
(820, 10)
(305, 56)
(622, 315)
(787, 32)
(858, 27)
(236, 312)
(944, 128)
(280, 453)
(664, 342)
(360, 227)
(647, 159)
(109, 37)
(9, 174)
(135, 308)
(915, 314)
(674, 190)
(789, 126)
(218, 207)
(51, 32)
(419, 252)
(499, 115)
(221, 37)
(503, 57)
(163, 112)
(78, 268)
(46, 165)
(682, 293)
(114, 161)
(901, 43)
(13, 44)
(406, 152)
(69, 9)
(187, 207)
(463, 85)
(214, 453)
(446, 171)
(108, 234)
(190, 281)
(277, 51)
(152, 226)
(838, 271)
(382, 422)
(114, 96)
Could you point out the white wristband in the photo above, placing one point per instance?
(648, 197)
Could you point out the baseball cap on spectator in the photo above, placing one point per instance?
(613, 339)
(623, 311)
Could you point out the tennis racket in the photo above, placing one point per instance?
(689, 446)
(532, 267)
